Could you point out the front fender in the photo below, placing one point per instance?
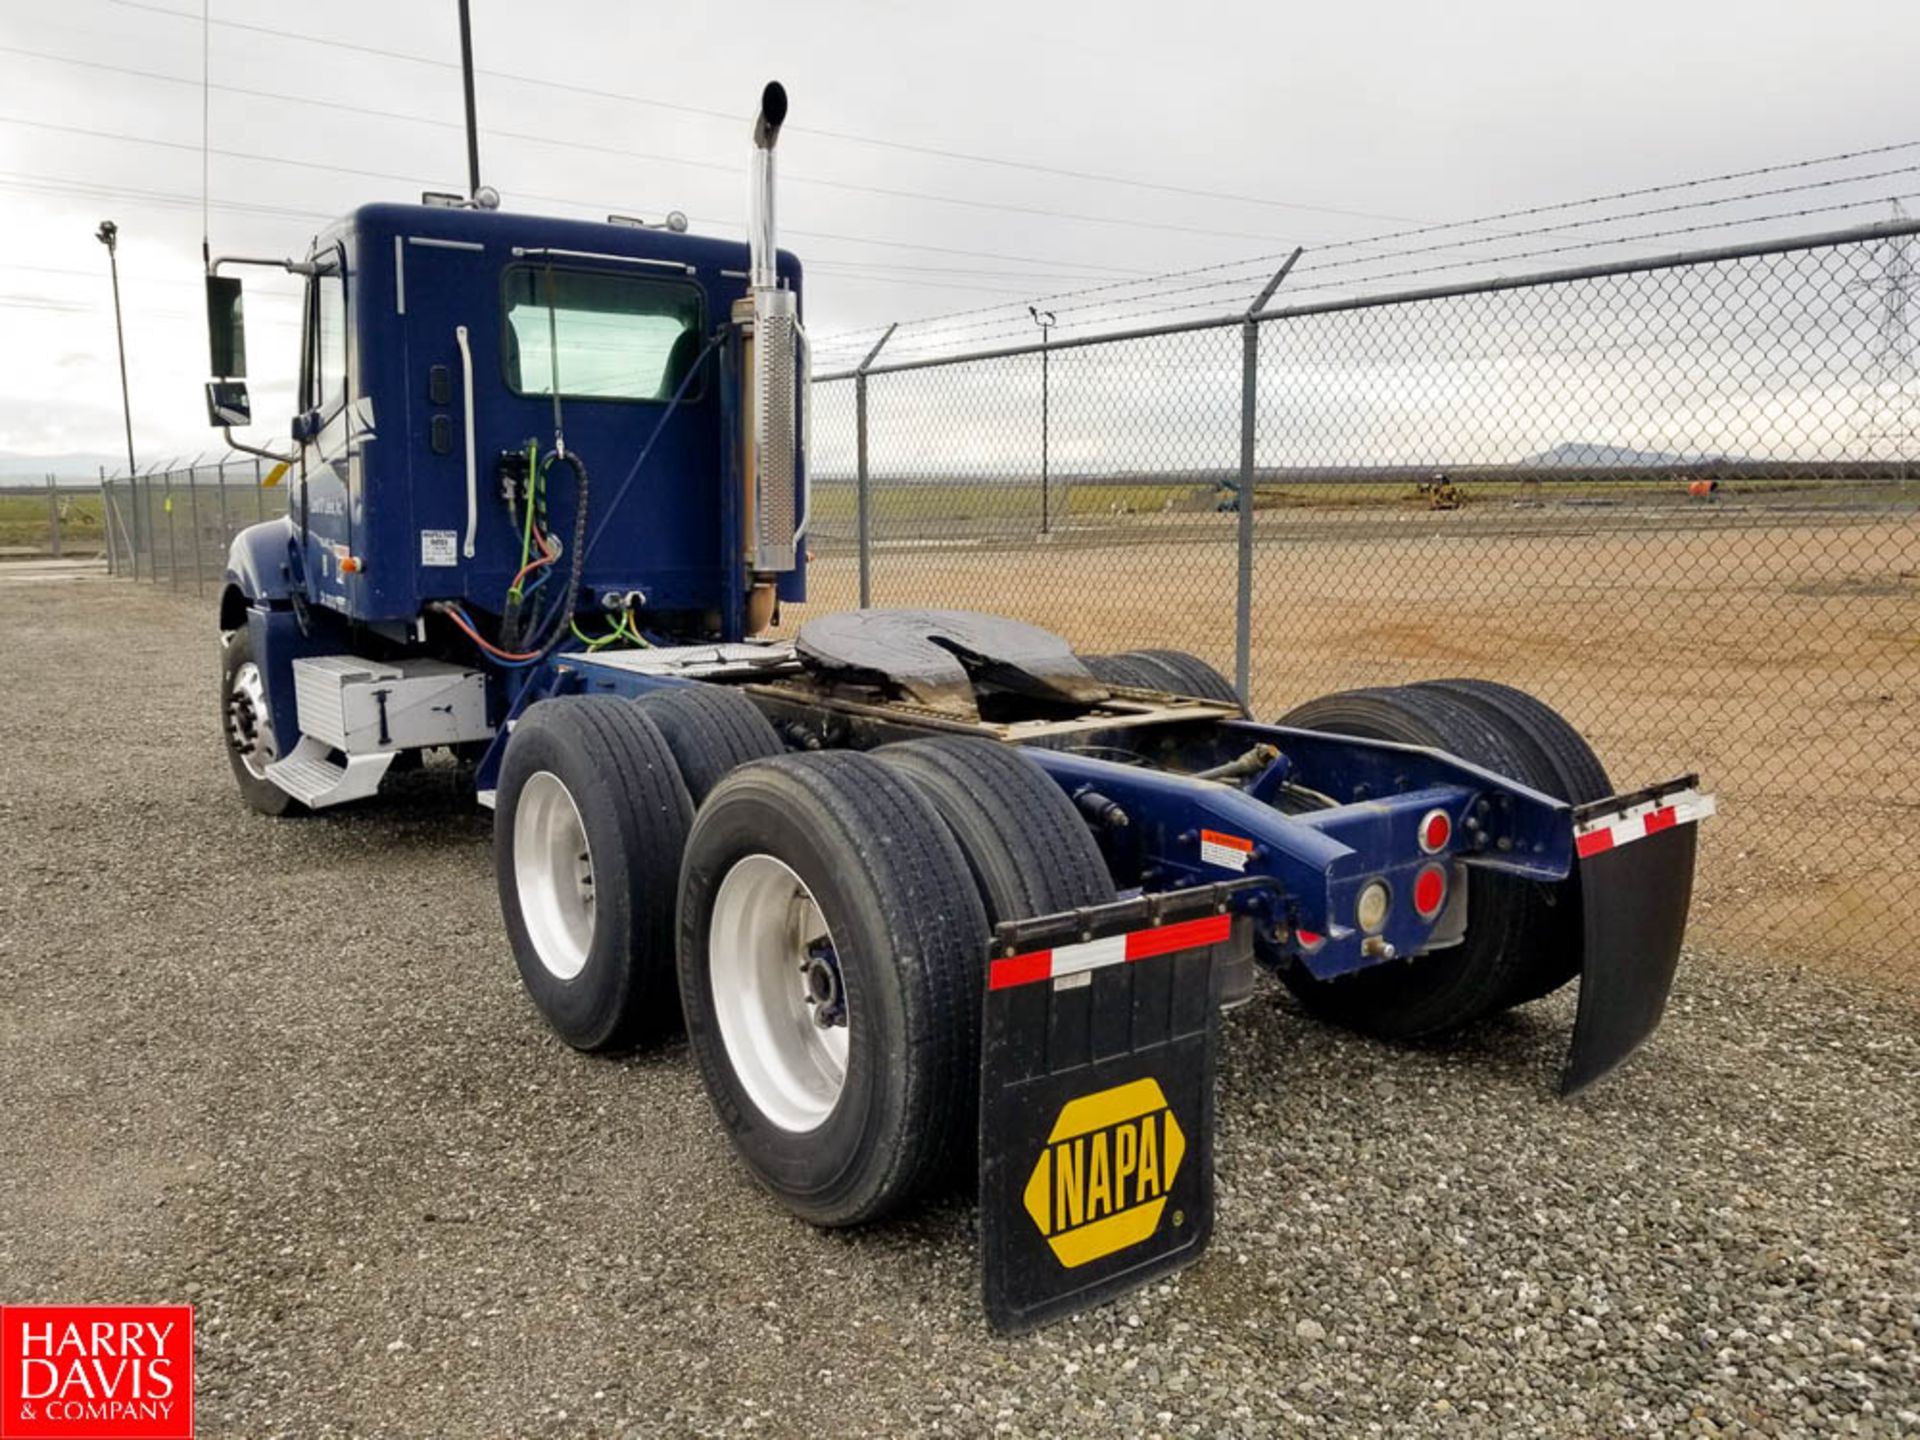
(263, 563)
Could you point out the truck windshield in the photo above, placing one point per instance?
(620, 337)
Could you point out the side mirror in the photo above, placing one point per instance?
(227, 403)
(226, 328)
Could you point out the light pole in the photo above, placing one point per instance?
(109, 235)
(1045, 320)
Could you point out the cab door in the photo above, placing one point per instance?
(327, 432)
(462, 539)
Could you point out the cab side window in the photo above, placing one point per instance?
(324, 383)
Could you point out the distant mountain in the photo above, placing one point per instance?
(1582, 455)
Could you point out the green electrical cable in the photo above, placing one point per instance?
(526, 532)
(625, 627)
(589, 641)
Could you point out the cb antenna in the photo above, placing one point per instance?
(206, 114)
(473, 124)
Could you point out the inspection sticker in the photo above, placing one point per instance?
(439, 547)
(1230, 852)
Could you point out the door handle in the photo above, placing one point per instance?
(466, 406)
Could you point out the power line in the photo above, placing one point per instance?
(733, 118)
(850, 186)
(376, 113)
(846, 267)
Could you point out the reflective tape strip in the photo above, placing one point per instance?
(1065, 960)
(1610, 832)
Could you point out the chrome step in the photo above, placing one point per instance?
(313, 777)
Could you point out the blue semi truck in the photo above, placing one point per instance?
(932, 895)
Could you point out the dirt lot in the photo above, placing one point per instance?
(283, 1070)
(1776, 652)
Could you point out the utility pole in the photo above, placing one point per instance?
(1889, 413)
(109, 235)
(1045, 320)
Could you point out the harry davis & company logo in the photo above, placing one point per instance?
(1101, 1182)
(96, 1372)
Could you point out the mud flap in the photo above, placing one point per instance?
(1636, 859)
(1096, 1101)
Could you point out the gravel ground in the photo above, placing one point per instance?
(281, 1070)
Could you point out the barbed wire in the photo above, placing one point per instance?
(983, 323)
(1197, 307)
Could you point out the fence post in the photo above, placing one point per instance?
(226, 526)
(106, 523)
(193, 519)
(53, 519)
(152, 535)
(1249, 411)
(259, 494)
(173, 546)
(1243, 504)
(142, 526)
(863, 500)
(116, 528)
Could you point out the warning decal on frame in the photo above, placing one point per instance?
(1230, 852)
(439, 547)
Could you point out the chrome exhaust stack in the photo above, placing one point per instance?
(773, 379)
(766, 134)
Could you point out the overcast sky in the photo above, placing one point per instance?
(1327, 122)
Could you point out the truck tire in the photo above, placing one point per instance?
(1576, 772)
(589, 823)
(712, 731)
(1563, 765)
(831, 953)
(1126, 669)
(1029, 851)
(246, 725)
(1443, 990)
(1190, 675)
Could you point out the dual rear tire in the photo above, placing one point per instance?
(842, 1053)
(833, 914)
(1523, 937)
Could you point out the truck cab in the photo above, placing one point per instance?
(516, 436)
(441, 344)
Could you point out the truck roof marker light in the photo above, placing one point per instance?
(1436, 829)
(1429, 891)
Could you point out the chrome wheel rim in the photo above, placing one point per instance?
(250, 722)
(777, 997)
(553, 875)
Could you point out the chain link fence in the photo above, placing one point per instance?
(171, 524)
(1677, 499)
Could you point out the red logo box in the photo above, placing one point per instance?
(96, 1372)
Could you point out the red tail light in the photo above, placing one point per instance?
(1429, 891)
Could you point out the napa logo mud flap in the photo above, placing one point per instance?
(1101, 1184)
(1096, 1106)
